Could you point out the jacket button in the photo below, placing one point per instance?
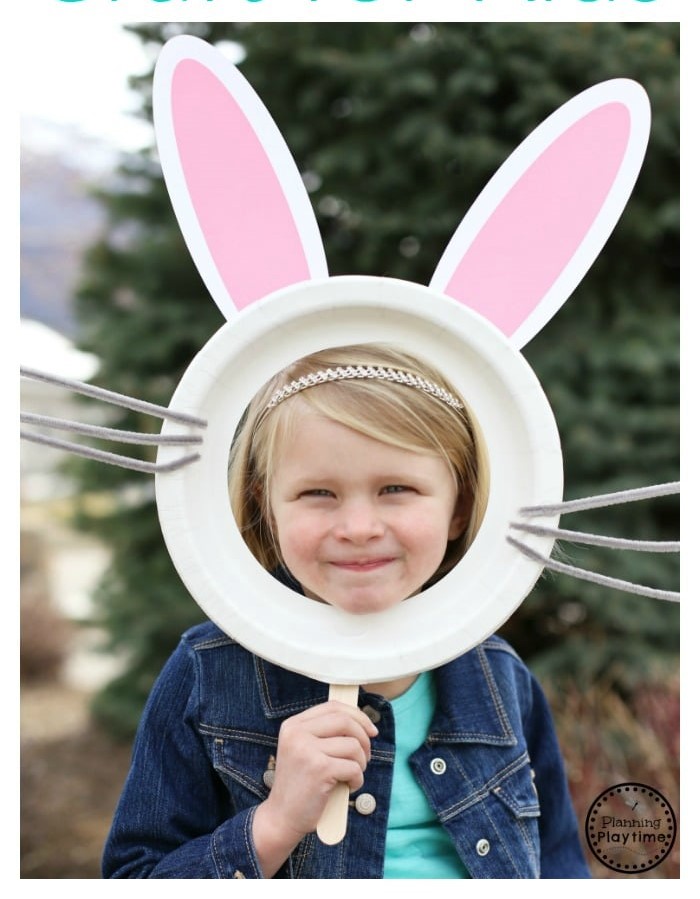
(438, 766)
(269, 774)
(374, 716)
(365, 804)
(483, 847)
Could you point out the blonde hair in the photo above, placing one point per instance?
(402, 416)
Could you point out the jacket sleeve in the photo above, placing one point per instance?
(174, 819)
(561, 853)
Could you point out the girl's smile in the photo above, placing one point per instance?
(363, 565)
(361, 524)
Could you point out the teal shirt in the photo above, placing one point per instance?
(417, 846)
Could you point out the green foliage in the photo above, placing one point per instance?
(396, 128)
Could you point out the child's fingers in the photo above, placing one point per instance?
(334, 760)
(334, 708)
(333, 723)
(345, 771)
(344, 748)
(318, 711)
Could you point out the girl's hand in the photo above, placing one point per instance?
(317, 749)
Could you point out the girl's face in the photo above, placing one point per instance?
(361, 524)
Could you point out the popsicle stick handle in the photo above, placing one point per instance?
(334, 820)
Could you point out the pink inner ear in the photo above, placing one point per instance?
(536, 229)
(242, 210)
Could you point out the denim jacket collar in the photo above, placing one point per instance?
(471, 708)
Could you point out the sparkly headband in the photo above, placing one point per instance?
(361, 372)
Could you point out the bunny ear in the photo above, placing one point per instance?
(541, 221)
(237, 194)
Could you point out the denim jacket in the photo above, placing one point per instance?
(490, 768)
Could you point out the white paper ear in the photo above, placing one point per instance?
(236, 191)
(540, 222)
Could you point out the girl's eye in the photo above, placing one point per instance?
(396, 488)
(318, 491)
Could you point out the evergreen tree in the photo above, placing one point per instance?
(396, 128)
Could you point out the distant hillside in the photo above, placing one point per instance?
(58, 221)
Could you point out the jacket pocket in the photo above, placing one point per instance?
(517, 792)
(515, 806)
(245, 763)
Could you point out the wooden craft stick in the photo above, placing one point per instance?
(334, 820)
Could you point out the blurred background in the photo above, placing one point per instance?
(395, 127)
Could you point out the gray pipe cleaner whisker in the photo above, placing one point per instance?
(604, 499)
(585, 575)
(114, 434)
(597, 502)
(648, 546)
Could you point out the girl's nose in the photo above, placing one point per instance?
(358, 522)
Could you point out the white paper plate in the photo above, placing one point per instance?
(427, 630)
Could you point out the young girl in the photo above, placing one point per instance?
(357, 478)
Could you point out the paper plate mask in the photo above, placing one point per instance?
(518, 254)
